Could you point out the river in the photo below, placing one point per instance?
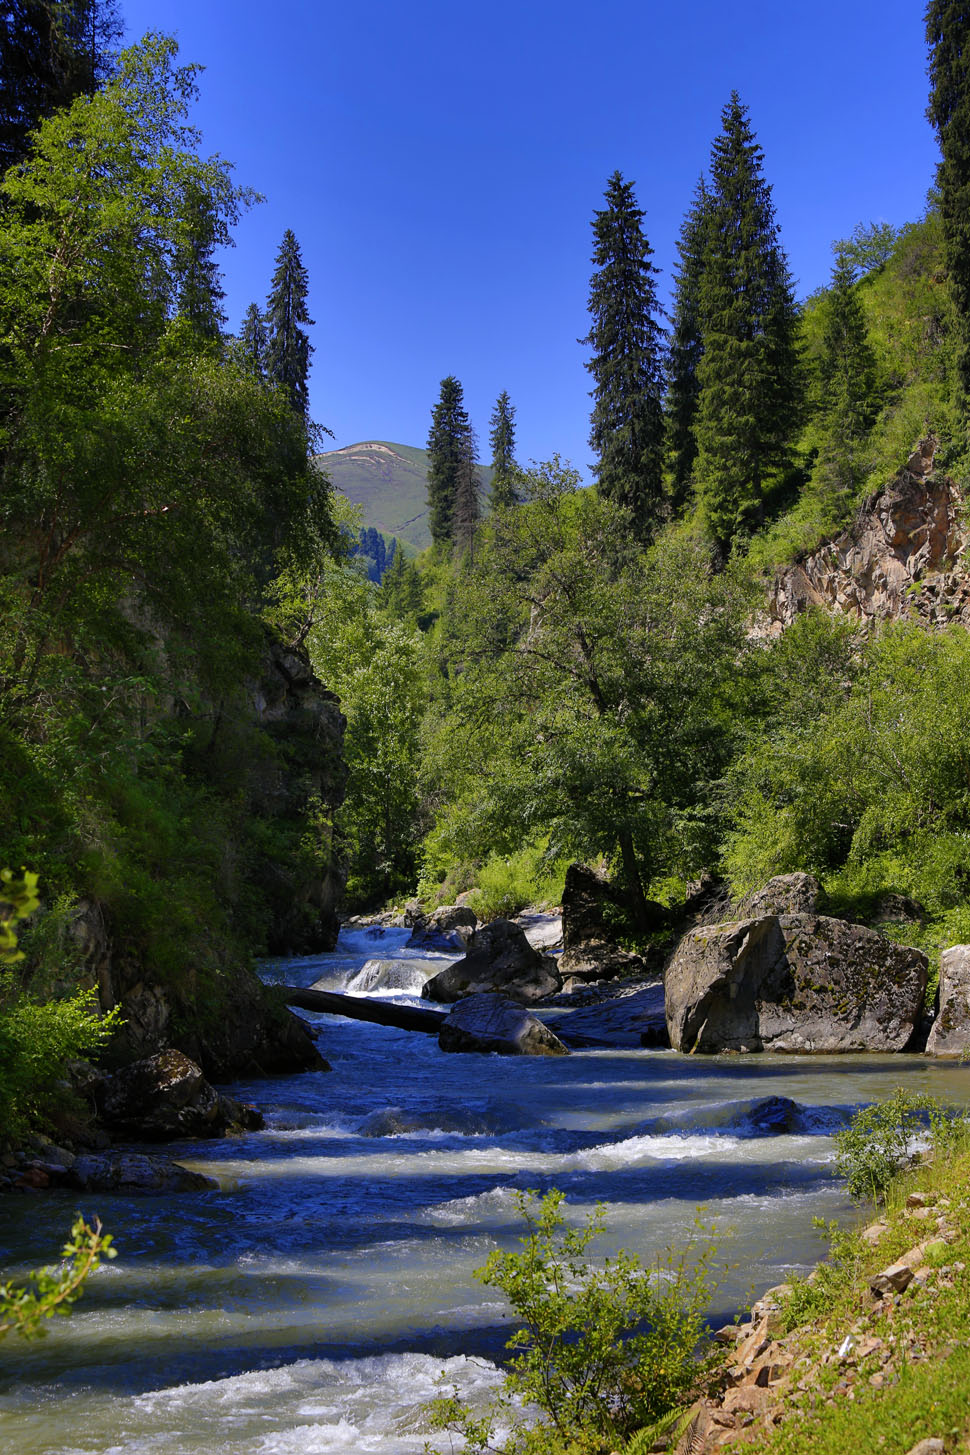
(312, 1301)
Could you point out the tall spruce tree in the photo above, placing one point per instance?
(51, 51)
(750, 388)
(686, 348)
(200, 291)
(288, 346)
(948, 37)
(452, 477)
(502, 439)
(626, 424)
(253, 340)
(847, 374)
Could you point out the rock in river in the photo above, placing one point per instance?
(950, 1035)
(494, 1023)
(167, 1096)
(498, 958)
(792, 982)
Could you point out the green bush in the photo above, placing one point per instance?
(506, 885)
(882, 1139)
(51, 1291)
(601, 1351)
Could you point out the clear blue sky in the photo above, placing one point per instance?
(440, 164)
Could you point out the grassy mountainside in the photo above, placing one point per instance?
(390, 484)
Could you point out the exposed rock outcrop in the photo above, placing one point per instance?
(486, 1023)
(167, 1096)
(498, 958)
(901, 556)
(590, 949)
(950, 1033)
(798, 982)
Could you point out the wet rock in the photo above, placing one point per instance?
(449, 927)
(950, 1033)
(798, 982)
(167, 1096)
(493, 1023)
(134, 1172)
(498, 959)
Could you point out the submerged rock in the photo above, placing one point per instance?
(486, 1023)
(796, 982)
(133, 1172)
(950, 1034)
(499, 958)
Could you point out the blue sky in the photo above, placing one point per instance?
(440, 164)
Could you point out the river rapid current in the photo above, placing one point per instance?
(311, 1302)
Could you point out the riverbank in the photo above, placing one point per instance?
(872, 1353)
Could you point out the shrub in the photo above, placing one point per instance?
(882, 1139)
(601, 1351)
(23, 1307)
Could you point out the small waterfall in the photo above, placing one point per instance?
(405, 977)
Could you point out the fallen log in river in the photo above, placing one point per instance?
(381, 1012)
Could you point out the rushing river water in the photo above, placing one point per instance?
(311, 1302)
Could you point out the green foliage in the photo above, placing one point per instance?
(506, 885)
(18, 899)
(52, 1292)
(870, 247)
(749, 377)
(948, 37)
(601, 1351)
(590, 691)
(861, 776)
(288, 347)
(626, 425)
(882, 1139)
(686, 348)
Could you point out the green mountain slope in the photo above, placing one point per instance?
(390, 484)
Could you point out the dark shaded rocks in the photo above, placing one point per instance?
(498, 958)
(590, 949)
(448, 927)
(798, 982)
(607, 1017)
(785, 894)
(486, 1023)
(129, 1172)
(950, 1033)
(167, 1096)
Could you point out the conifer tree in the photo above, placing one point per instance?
(253, 340)
(626, 425)
(502, 440)
(749, 375)
(847, 370)
(948, 36)
(51, 51)
(200, 291)
(288, 346)
(452, 477)
(686, 348)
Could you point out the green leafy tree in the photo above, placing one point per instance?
(869, 248)
(200, 291)
(750, 391)
(626, 425)
(686, 349)
(288, 346)
(948, 38)
(502, 440)
(592, 690)
(50, 53)
(452, 477)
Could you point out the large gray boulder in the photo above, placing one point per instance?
(785, 894)
(167, 1096)
(792, 982)
(128, 1172)
(950, 1033)
(494, 1023)
(498, 958)
(448, 927)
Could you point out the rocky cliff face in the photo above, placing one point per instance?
(282, 740)
(901, 556)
